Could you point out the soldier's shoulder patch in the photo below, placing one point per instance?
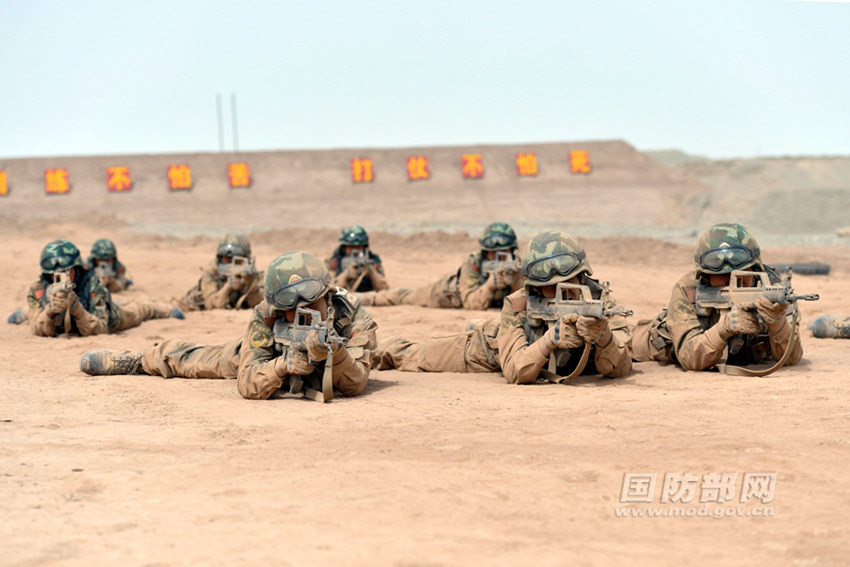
(261, 334)
(683, 306)
(39, 293)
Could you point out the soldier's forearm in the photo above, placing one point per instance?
(258, 381)
(701, 350)
(478, 299)
(349, 375)
(43, 324)
(779, 342)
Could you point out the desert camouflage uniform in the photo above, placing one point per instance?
(679, 335)
(521, 360)
(374, 280)
(475, 350)
(693, 341)
(257, 376)
(488, 346)
(252, 359)
(116, 284)
(464, 288)
(212, 292)
(104, 249)
(96, 313)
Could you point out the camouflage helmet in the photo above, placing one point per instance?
(59, 256)
(726, 247)
(295, 279)
(103, 249)
(498, 236)
(234, 245)
(354, 235)
(553, 257)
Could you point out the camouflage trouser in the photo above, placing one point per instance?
(473, 351)
(133, 313)
(181, 359)
(651, 340)
(442, 293)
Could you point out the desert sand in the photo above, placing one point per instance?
(423, 469)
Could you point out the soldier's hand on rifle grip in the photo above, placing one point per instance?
(738, 321)
(563, 334)
(595, 331)
(508, 278)
(316, 349)
(58, 300)
(772, 313)
(293, 362)
(237, 282)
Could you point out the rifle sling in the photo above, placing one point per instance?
(742, 371)
(550, 374)
(327, 392)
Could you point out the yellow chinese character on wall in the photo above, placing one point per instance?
(179, 177)
(118, 178)
(472, 166)
(239, 174)
(526, 164)
(417, 168)
(362, 170)
(4, 188)
(579, 161)
(56, 181)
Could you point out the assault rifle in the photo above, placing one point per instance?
(62, 284)
(294, 336)
(551, 310)
(504, 262)
(357, 258)
(237, 273)
(104, 271)
(744, 289)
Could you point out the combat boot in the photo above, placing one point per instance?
(104, 362)
(831, 327)
(17, 317)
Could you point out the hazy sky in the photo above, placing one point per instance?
(713, 78)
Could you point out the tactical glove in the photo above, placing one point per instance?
(563, 334)
(772, 313)
(58, 300)
(595, 331)
(738, 322)
(293, 362)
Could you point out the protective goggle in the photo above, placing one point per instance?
(562, 263)
(732, 256)
(498, 241)
(231, 250)
(307, 290)
(57, 263)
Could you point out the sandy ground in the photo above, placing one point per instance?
(424, 469)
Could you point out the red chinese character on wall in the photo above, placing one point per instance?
(526, 165)
(362, 170)
(472, 166)
(4, 188)
(56, 181)
(417, 168)
(579, 161)
(179, 177)
(118, 178)
(239, 174)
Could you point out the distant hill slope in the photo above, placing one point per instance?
(804, 196)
